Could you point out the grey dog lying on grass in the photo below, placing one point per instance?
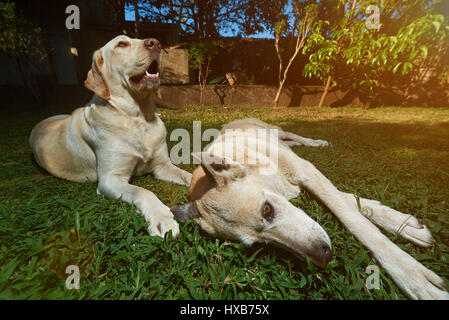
(233, 199)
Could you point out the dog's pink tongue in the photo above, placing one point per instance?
(151, 77)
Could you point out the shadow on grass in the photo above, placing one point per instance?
(377, 135)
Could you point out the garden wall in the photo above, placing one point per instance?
(179, 96)
(299, 95)
(247, 95)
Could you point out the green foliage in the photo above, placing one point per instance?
(280, 28)
(397, 54)
(200, 56)
(46, 222)
(324, 52)
(18, 36)
(200, 53)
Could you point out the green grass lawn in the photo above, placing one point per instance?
(399, 156)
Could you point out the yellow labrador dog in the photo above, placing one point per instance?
(232, 198)
(117, 134)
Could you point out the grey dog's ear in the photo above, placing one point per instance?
(185, 212)
(96, 81)
(222, 169)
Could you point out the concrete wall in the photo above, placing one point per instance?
(175, 66)
(247, 96)
(299, 95)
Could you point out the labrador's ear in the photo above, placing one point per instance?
(185, 212)
(222, 169)
(96, 81)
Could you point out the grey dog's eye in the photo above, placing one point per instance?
(267, 211)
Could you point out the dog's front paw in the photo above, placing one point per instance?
(416, 280)
(415, 232)
(187, 178)
(161, 224)
(404, 225)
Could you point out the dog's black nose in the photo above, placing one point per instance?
(152, 44)
(321, 254)
(326, 253)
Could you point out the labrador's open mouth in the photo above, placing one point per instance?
(150, 75)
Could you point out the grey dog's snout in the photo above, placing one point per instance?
(326, 252)
(152, 44)
(321, 254)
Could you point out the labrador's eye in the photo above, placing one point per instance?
(267, 211)
(122, 44)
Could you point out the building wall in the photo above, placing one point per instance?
(99, 24)
(9, 72)
(248, 95)
(62, 59)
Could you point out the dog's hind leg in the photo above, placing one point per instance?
(416, 281)
(291, 139)
(393, 221)
(288, 138)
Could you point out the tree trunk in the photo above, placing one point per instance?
(284, 76)
(201, 95)
(278, 93)
(326, 90)
(202, 78)
(200, 82)
(136, 13)
(121, 15)
(303, 31)
(329, 77)
(286, 70)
